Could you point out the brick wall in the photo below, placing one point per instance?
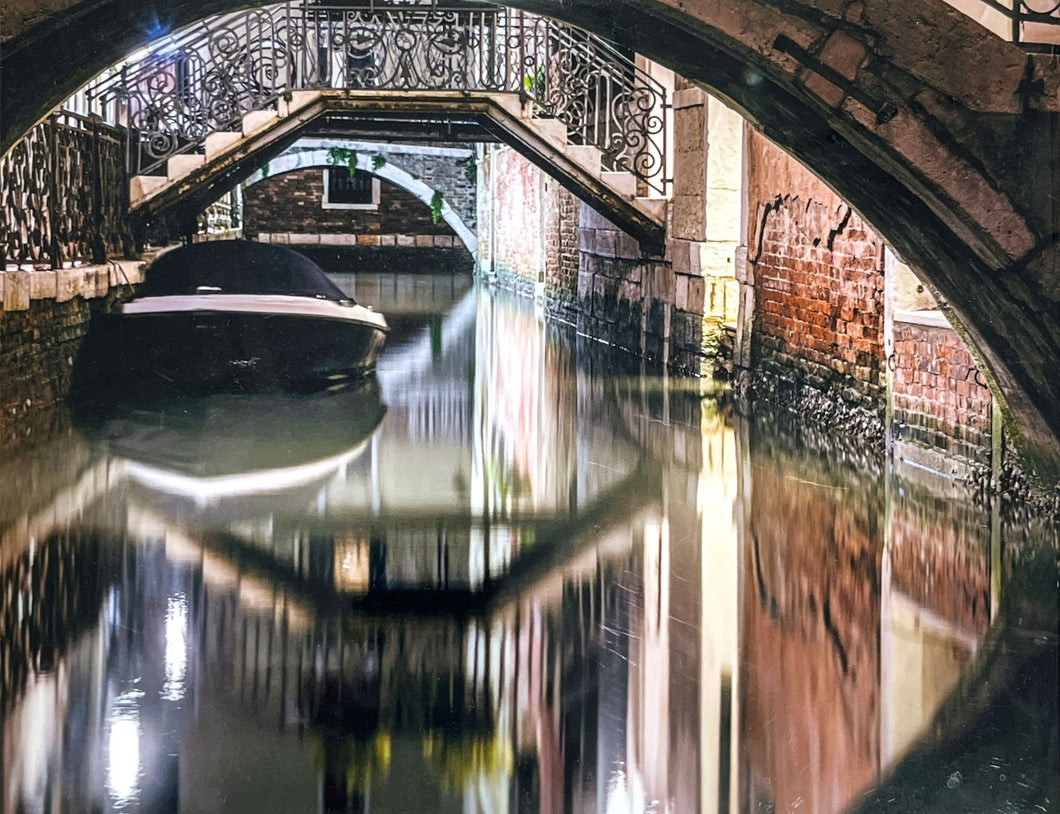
(818, 281)
(38, 349)
(940, 400)
(536, 229)
(292, 203)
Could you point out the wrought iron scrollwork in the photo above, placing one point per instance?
(206, 77)
(63, 194)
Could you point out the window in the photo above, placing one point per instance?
(350, 190)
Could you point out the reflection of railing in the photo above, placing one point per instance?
(63, 193)
(205, 78)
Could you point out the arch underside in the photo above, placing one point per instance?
(961, 189)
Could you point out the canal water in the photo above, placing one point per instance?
(517, 573)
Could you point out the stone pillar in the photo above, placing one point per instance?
(706, 228)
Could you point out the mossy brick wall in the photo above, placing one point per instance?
(940, 398)
(38, 349)
(818, 278)
(292, 203)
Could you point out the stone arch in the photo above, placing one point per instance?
(304, 159)
(940, 134)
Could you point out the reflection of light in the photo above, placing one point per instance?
(123, 758)
(210, 489)
(352, 570)
(176, 647)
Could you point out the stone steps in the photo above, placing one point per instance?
(551, 134)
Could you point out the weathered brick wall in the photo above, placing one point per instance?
(563, 210)
(536, 224)
(818, 281)
(292, 202)
(38, 349)
(519, 220)
(940, 399)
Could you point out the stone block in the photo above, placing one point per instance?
(102, 276)
(843, 53)
(587, 240)
(282, 238)
(70, 283)
(689, 97)
(627, 246)
(744, 270)
(681, 291)
(696, 295)
(264, 237)
(443, 241)
(606, 242)
(406, 240)
(425, 241)
(16, 290)
(664, 284)
(387, 240)
(43, 285)
(304, 239)
(690, 216)
(368, 240)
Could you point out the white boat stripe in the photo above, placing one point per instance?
(277, 304)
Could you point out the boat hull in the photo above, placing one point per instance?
(202, 350)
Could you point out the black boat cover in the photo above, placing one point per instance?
(238, 267)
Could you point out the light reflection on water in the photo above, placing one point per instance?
(521, 575)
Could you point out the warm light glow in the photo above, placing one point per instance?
(352, 568)
(176, 647)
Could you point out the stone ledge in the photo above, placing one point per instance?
(352, 239)
(19, 288)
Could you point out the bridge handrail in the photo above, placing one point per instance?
(204, 78)
(1034, 25)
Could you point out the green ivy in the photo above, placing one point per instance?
(343, 156)
(378, 160)
(265, 170)
(470, 165)
(436, 205)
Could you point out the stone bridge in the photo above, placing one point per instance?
(941, 134)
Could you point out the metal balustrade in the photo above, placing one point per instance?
(64, 194)
(205, 78)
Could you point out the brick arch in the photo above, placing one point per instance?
(306, 159)
(941, 135)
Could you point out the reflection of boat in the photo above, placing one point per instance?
(238, 315)
(228, 448)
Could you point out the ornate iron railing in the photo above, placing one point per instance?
(206, 77)
(64, 194)
(1032, 24)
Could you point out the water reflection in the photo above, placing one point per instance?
(527, 583)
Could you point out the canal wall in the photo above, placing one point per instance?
(817, 275)
(44, 316)
(767, 274)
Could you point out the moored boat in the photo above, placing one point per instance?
(238, 315)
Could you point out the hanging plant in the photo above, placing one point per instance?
(378, 160)
(470, 165)
(343, 156)
(436, 205)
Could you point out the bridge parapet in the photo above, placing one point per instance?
(206, 78)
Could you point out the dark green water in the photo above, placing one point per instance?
(518, 573)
